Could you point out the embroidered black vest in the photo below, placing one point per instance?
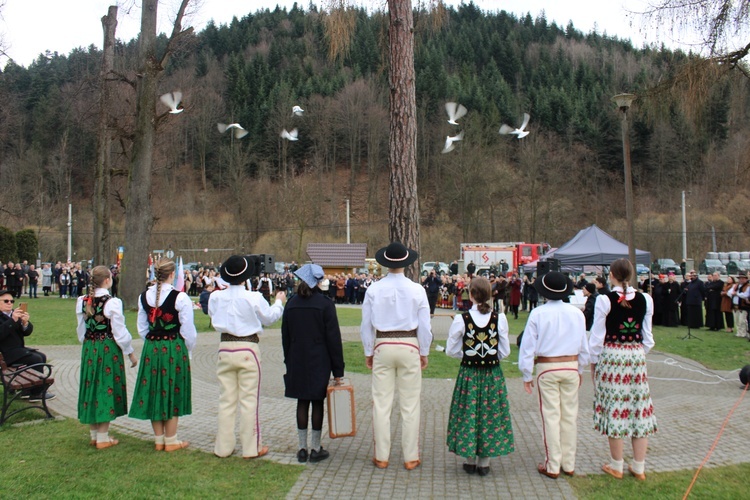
(480, 344)
(98, 326)
(163, 321)
(623, 324)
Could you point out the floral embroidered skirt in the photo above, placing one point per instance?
(102, 393)
(479, 422)
(622, 403)
(163, 386)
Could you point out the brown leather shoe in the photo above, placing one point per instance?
(639, 477)
(159, 446)
(174, 447)
(263, 451)
(569, 473)
(542, 469)
(609, 470)
(107, 444)
(380, 464)
(412, 465)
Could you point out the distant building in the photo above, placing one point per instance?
(338, 257)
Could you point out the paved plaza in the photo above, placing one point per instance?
(690, 403)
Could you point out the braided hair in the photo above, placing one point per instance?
(481, 290)
(162, 270)
(99, 275)
(622, 270)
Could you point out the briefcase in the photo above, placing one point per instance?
(341, 420)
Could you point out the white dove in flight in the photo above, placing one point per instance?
(172, 100)
(449, 146)
(239, 132)
(289, 136)
(297, 111)
(519, 132)
(455, 111)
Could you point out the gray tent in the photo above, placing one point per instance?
(594, 247)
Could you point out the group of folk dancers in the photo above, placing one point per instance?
(396, 337)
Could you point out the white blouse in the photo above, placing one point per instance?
(454, 345)
(184, 307)
(113, 312)
(599, 328)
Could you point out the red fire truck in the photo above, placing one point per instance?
(514, 253)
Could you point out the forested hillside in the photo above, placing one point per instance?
(265, 194)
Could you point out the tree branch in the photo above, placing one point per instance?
(121, 78)
(177, 33)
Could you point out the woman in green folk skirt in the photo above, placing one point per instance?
(479, 425)
(102, 396)
(163, 387)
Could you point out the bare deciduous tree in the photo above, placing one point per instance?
(138, 216)
(104, 142)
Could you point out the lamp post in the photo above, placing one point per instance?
(623, 102)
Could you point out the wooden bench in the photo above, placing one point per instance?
(17, 379)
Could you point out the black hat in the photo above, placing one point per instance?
(745, 375)
(591, 288)
(554, 286)
(395, 256)
(5, 292)
(236, 270)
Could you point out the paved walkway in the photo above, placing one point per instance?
(689, 414)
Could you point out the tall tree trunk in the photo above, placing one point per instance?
(102, 255)
(404, 203)
(138, 218)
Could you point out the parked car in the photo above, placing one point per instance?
(429, 266)
(641, 269)
(738, 266)
(664, 266)
(709, 266)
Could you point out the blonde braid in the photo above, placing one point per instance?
(98, 275)
(164, 268)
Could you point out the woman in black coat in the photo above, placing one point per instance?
(311, 340)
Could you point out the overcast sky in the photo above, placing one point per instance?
(31, 27)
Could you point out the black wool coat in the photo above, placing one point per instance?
(12, 335)
(311, 339)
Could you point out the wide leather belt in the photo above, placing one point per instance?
(399, 334)
(556, 359)
(228, 337)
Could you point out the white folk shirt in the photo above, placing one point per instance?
(241, 312)
(599, 328)
(113, 312)
(395, 303)
(184, 307)
(552, 330)
(454, 345)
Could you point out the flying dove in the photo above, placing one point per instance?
(289, 136)
(172, 101)
(519, 132)
(239, 132)
(449, 146)
(455, 111)
(297, 111)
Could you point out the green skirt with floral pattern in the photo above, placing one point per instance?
(479, 422)
(102, 391)
(163, 386)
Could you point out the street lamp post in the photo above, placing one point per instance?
(623, 102)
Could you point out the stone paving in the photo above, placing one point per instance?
(691, 403)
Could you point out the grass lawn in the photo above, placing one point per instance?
(54, 460)
(715, 483)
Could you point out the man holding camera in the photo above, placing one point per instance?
(14, 327)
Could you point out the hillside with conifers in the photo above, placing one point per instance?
(264, 194)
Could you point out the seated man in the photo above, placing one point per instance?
(14, 326)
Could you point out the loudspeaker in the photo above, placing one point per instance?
(547, 266)
(267, 263)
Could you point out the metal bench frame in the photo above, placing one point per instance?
(17, 379)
